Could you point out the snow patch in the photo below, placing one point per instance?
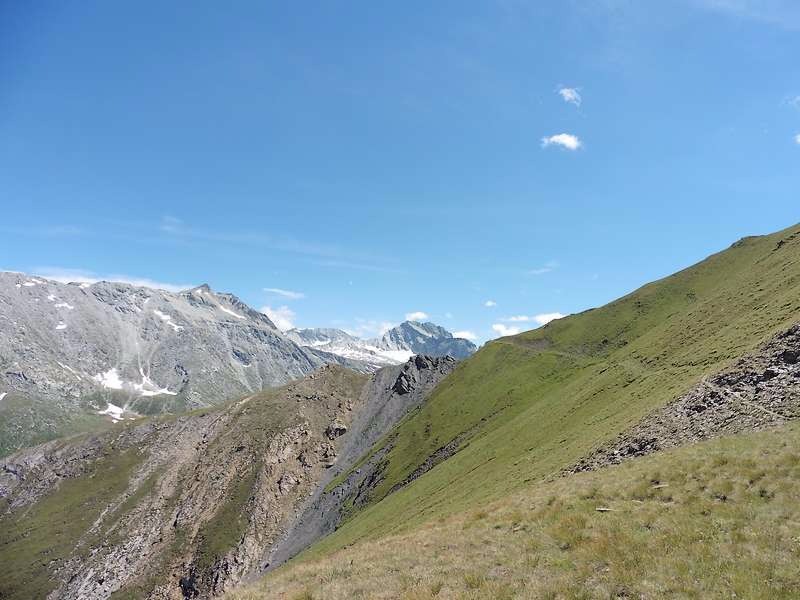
(19, 285)
(148, 388)
(29, 283)
(110, 379)
(83, 286)
(113, 411)
(167, 319)
(61, 325)
(230, 312)
(51, 297)
(64, 305)
(3, 395)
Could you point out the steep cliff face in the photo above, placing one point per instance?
(389, 395)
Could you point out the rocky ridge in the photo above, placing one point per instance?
(759, 390)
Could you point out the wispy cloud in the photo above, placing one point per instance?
(797, 139)
(565, 140)
(369, 328)
(63, 275)
(289, 294)
(466, 335)
(490, 304)
(416, 316)
(793, 102)
(549, 266)
(570, 95)
(282, 316)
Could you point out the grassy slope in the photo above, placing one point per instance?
(29, 421)
(719, 519)
(36, 541)
(534, 403)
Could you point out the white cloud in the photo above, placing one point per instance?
(546, 268)
(467, 335)
(503, 330)
(793, 101)
(797, 139)
(540, 319)
(490, 304)
(291, 295)
(565, 140)
(570, 95)
(545, 318)
(83, 276)
(283, 316)
(416, 316)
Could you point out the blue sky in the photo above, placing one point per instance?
(374, 161)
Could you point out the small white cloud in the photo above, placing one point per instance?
(565, 140)
(545, 318)
(546, 268)
(570, 95)
(490, 304)
(83, 276)
(467, 335)
(503, 330)
(540, 319)
(793, 101)
(291, 295)
(416, 316)
(283, 316)
(797, 139)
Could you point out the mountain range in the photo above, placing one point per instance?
(74, 356)
(644, 448)
(396, 345)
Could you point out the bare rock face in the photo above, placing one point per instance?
(388, 396)
(203, 497)
(122, 350)
(760, 390)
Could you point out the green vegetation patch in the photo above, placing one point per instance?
(35, 540)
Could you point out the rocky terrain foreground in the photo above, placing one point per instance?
(187, 506)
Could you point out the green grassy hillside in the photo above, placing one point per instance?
(527, 406)
(719, 519)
